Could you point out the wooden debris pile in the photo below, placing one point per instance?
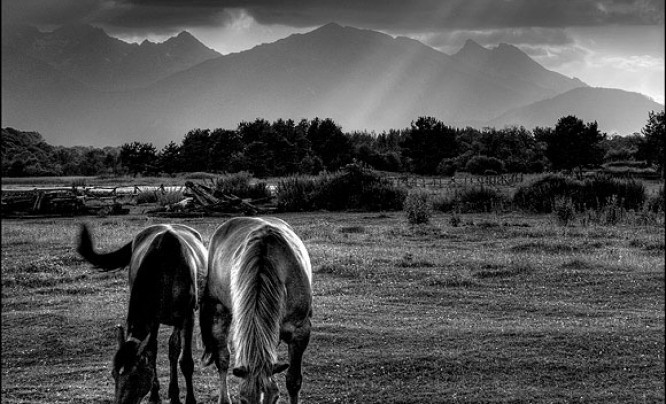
(59, 202)
(202, 200)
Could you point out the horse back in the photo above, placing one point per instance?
(226, 250)
(168, 270)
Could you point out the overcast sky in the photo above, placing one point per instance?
(606, 43)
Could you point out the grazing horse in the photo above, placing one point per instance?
(259, 289)
(166, 262)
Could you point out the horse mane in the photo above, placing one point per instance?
(258, 299)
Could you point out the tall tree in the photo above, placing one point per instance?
(573, 144)
(655, 139)
(169, 159)
(138, 157)
(226, 151)
(195, 150)
(329, 143)
(428, 142)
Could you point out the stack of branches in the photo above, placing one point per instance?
(202, 200)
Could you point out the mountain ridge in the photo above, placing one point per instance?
(362, 79)
(89, 55)
(627, 112)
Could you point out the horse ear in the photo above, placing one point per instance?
(120, 335)
(241, 372)
(280, 367)
(142, 346)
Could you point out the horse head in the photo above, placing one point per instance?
(259, 388)
(133, 369)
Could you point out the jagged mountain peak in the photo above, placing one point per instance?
(472, 45)
(183, 37)
(89, 55)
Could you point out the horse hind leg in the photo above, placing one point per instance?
(298, 343)
(152, 350)
(186, 361)
(174, 354)
(215, 321)
(221, 323)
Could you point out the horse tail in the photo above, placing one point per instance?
(106, 262)
(258, 299)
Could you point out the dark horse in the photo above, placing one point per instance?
(259, 289)
(165, 262)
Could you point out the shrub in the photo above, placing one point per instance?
(601, 190)
(352, 188)
(656, 203)
(444, 204)
(146, 197)
(479, 199)
(540, 195)
(454, 220)
(240, 184)
(169, 197)
(592, 193)
(564, 211)
(418, 207)
(480, 164)
(298, 193)
(447, 167)
(474, 199)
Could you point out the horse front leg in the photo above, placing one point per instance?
(186, 361)
(297, 346)
(174, 354)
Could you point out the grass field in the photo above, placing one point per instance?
(502, 308)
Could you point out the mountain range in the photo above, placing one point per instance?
(77, 85)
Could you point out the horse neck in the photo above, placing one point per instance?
(257, 303)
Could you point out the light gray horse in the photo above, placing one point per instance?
(259, 290)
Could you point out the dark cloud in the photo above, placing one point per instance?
(413, 15)
(45, 12)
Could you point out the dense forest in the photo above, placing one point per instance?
(285, 147)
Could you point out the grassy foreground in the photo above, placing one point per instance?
(508, 308)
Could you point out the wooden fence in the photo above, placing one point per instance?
(507, 180)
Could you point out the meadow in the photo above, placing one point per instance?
(498, 308)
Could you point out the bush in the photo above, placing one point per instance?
(475, 199)
(447, 167)
(564, 211)
(170, 197)
(592, 193)
(240, 185)
(146, 197)
(299, 193)
(479, 199)
(600, 191)
(480, 164)
(353, 188)
(656, 203)
(418, 207)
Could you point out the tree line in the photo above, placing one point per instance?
(286, 147)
